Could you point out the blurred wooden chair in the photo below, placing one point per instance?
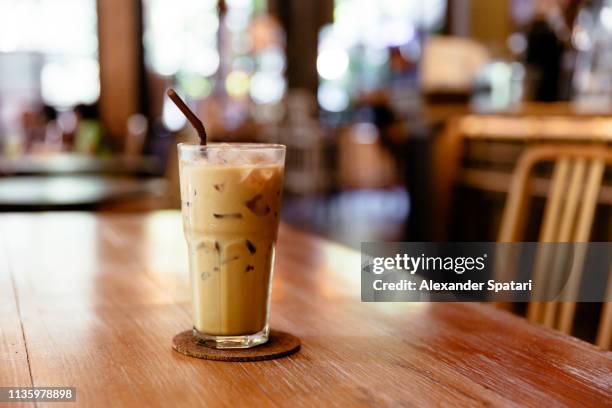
(568, 217)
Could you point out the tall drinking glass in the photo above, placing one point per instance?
(231, 199)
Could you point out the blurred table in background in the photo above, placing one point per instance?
(70, 163)
(85, 192)
(443, 111)
(69, 181)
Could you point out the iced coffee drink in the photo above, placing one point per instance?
(231, 196)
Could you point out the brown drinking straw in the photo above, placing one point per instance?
(191, 117)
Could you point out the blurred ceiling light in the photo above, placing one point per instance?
(332, 98)
(237, 84)
(267, 88)
(172, 118)
(332, 63)
(605, 17)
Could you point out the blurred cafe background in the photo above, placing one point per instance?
(403, 119)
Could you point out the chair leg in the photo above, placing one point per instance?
(604, 334)
(534, 311)
(550, 312)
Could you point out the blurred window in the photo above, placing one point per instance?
(49, 49)
(371, 43)
(181, 40)
(239, 53)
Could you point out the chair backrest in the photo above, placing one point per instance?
(568, 217)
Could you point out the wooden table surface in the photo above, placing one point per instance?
(93, 302)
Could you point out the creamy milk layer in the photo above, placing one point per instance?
(230, 217)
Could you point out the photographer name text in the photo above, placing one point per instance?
(431, 286)
(458, 265)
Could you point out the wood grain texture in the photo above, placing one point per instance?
(102, 296)
(14, 369)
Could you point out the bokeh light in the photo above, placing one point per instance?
(332, 63)
(205, 63)
(172, 118)
(332, 98)
(188, 45)
(267, 88)
(242, 51)
(237, 84)
(69, 82)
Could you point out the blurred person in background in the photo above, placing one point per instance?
(547, 43)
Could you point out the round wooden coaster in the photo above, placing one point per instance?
(279, 344)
